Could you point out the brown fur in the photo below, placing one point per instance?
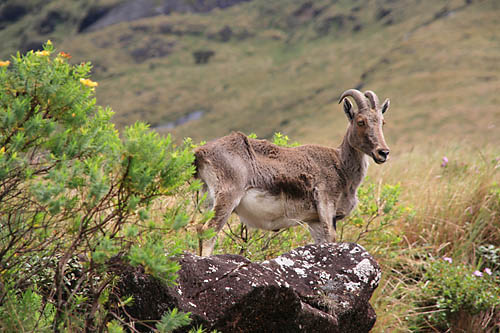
(308, 184)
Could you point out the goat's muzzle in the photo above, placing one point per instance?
(380, 155)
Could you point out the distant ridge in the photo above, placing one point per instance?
(137, 9)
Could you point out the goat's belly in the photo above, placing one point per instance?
(259, 209)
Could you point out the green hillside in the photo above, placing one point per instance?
(280, 66)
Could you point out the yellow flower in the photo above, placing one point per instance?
(42, 53)
(4, 63)
(49, 42)
(88, 82)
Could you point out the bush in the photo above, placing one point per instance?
(75, 197)
(378, 208)
(456, 297)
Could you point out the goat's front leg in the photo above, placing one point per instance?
(224, 204)
(325, 229)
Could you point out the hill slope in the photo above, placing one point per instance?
(280, 66)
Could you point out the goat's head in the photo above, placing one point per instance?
(365, 131)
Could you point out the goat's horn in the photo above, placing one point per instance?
(358, 97)
(372, 97)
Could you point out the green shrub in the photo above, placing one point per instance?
(491, 256)
(378, 208)
(283, 140)
(456, 297)
(26, 311)
(74, 195)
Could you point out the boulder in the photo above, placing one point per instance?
(202, 56)
(315, 288)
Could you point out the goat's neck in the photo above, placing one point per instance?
(354, 163)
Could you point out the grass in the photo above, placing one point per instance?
(456, 210)
(284, 76)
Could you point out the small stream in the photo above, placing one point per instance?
(194, 115)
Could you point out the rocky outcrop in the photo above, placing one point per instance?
(137, 9)
(315, 288)
(202, 56)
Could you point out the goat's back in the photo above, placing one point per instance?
(294, 170)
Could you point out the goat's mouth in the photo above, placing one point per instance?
(379, 159)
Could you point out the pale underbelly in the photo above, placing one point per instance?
(258, 209)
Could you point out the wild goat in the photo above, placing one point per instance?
(272, 187)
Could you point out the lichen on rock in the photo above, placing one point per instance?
(315, 288)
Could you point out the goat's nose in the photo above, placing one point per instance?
(383, 153)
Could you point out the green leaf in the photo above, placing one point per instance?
(172, 320)
(181, 220)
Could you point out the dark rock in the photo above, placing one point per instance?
(137, 9)
(305, 13)
(390, 21)
(381, 13)
(315, 288)
(50, 21)
(336, 22)
(93, 15)
(12, 13)
(443, 12)
(202, 56)
(305, 8)
(357, 27)
(166, 28)
(153, 49)
(284, 122)
(125, 12)
(197, 6)
(225, 34)
(31, 45)
(98, 68)
(356, 9)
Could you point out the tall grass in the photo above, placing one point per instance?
(456, 209)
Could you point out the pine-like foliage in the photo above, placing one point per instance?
(75, 197)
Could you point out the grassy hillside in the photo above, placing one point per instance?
(283, 68)
(280, 66)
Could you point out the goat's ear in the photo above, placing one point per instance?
(386, 104)
(348, 109)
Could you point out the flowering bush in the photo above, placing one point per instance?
(74, 195)
(456, 297)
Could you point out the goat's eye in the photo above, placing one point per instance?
(383, 122)
(361, 123)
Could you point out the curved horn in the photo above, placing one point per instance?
(372, 97)
(358, 97)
